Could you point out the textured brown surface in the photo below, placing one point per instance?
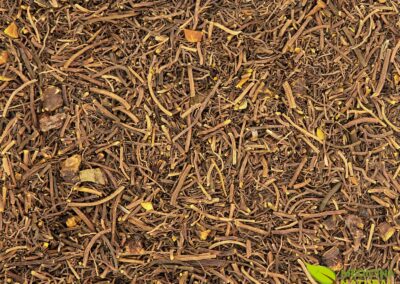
(269, 139)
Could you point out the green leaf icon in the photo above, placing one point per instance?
(321, 274)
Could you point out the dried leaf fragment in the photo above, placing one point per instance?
(71, 222)
(5, 79)
(52, 98)
(245, 77)
(386, 231)
(48, 123)
(3, 57)
(147, 206)
(241, 106)
(356, 226)
(134, 246)
(193, 36)
(320, 134)
(353, 221)
(12, 30)
(396, 79)
(332, 258)
(70, 166)
(92, 175)
(204, 234)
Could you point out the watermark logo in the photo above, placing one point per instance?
(321, 274)
(325, 275)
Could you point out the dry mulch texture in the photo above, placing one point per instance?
(198, 141)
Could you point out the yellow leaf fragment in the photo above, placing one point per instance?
(193, 36)
(147, 206)
(204, 234)
(242, 105)
(242, 81)
(386, 231)
(161, 38)
(367, 91)
(71, 222)
(12, 30)
(245, 77)
(92, 175)
(354, 180)
(396, 79)
(5, 79)
(3, 57)
(45, 244)
(320, 134)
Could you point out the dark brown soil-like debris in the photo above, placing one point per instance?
(198, 141)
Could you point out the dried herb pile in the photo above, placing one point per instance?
(198, 141)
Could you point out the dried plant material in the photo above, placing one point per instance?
(135, 247)
(245, 77)
(3, 57)
(333, 259)
(6, 166)
(371, 233)
(335, 188)
(98, 202)
(70, 167)
(148, 206)
(204, 234)
(12, 30)
(87, 190)
(82, 9)
(386, 231)
(92, 175)
(225, 29)
(111, 95)
(353, 221)
(319, 6)
(54, 3)
(72, 222)
(52, 98)
(153, 95)
(241, 106)
(383, 74)
(218, 154)
(289, 95)
(355, 226)
(254, 135)
(193, 36)
(320, 134)
(396, 79)
(5, 79)
(48, 123)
